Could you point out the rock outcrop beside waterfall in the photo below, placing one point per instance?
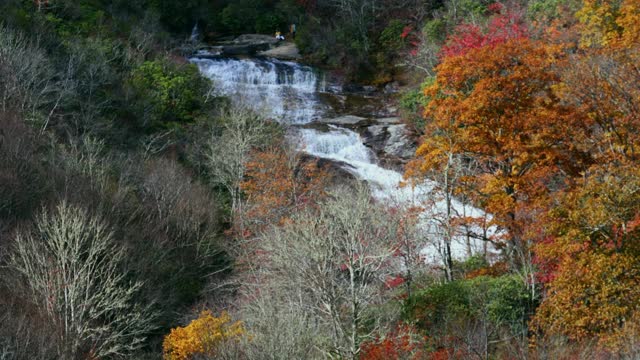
(252, 44)
(398, 143)
(390, 141)
(285, 51)
(247, 44)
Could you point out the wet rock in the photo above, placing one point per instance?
(391, 142)
(244, 49)
(377, 130)
(375, 137)
(359, 89)
(353, 104)
(248, 39)
(333, 89)
(389, 120)
(352, 88)
(391, 88)
(343, 120)
(247, 44)
(391, 110)
(287, 51)
(369, 89)
(336, 169)
(399, 144)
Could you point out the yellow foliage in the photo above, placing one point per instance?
(201, 337)
(594, 292)
(592, 297)
(609, 23)
(629, 21)
(599, 22)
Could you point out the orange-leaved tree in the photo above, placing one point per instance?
(280, 180)
(201, 337)
(495, 107)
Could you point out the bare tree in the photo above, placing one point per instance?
(69, 264)
(408, 243)
(448, 217)
(28, 81)
(424, 57)
(280, 328)
(25, 71)
(334, 263)
(229, 151)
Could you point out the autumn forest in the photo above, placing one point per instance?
(398, 179)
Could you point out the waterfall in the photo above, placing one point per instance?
(285, 91)
(195, 33)
(346, 146)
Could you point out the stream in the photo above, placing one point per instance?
(296, 95)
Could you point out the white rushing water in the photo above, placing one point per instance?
(288, 93)
(347, 147)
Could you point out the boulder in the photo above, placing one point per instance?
(247, 44)
(287, 51)
(210, 52)
(391, 88)
(359, 89)
(375, 137)
(388, 120)
(244, 49)
(343, 120)
(390, 142)
(336, 169)
(398, 144)
(247, 39)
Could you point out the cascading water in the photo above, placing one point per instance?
(195, 33)
(286, 91)
(346, 146)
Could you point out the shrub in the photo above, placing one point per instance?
(166, 95)
(435, 30)
(412, 104)
(268, 23)
(469, 314)
(201, 337)
(391, 37)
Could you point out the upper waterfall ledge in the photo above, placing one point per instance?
(285, 51)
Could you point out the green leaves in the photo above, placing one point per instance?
(166, 94)
(502, 301)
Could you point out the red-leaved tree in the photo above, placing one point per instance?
(502, 26)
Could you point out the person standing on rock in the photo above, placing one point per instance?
(292, 31)
(279, 35)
